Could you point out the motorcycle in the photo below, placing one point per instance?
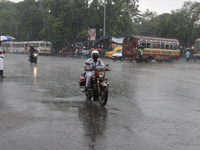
(33, 58)
(99, 86)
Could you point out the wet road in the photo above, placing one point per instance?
(150, 107)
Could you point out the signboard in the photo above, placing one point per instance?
(92, 34)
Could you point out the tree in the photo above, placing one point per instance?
(7, 18)
(182, 24)
(66, 21)
(185, 23)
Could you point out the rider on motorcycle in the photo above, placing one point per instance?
(32, 50)
(89, 67)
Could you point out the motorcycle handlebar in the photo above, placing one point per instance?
(106, 69)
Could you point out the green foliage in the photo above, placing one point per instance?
(82, 35)
(68, 21)
(65, 20)
(182, 24)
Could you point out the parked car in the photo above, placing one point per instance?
(115, 50)
(117, 56)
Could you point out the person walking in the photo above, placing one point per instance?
(187, 55)
(192, 57)
(140, 57)
(2, 53)
(87, 53)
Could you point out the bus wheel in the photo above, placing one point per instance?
(160, 61)
(171, 60)
(149, 59)
(122, 59)
(131, 60)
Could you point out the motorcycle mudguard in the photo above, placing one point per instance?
(103, 84)
(82, 81)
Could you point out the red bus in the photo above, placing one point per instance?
(159, 49)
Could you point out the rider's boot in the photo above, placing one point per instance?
(87, 92)
(1, 74)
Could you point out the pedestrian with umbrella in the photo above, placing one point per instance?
(2, 52)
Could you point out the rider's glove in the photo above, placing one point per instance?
(92, 68)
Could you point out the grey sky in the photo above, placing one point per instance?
(159, 6)
(16, 1)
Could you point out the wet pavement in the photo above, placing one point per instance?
(150, 106)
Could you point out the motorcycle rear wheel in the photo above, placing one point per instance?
(103, 97)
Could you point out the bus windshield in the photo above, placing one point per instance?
(197, 45)
(128, 43)
(48, 46)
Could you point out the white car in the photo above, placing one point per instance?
(117, 56)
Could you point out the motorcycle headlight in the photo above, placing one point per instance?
(101, 74)
(35, 55)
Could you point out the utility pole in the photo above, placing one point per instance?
(104, 23)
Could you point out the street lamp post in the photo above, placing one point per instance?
(44, 30)
(104, 19)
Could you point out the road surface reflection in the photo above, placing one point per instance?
(94, 119)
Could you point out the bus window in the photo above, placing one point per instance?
(42, 45)
(148, 44)
(175, 46)
(144, 44)
(48, 45)
(18, 45)
(162, 45)
(171, 46)
(34, 44)
(156, 44)
(26, 45)
(6, 44)
(167, 46)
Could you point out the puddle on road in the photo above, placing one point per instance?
(64, 104)
(94, 120)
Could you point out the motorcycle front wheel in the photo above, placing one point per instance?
(103, 97)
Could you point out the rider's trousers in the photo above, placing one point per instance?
(88, 76)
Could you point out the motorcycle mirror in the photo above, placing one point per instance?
(107, 65)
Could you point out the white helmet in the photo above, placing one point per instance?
(94, 53)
